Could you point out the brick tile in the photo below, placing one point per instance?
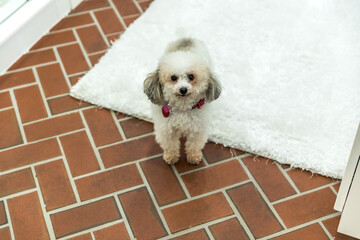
(108, 21)
(65, 104)
(94, 59)
(16, 182)
(102, 126)
(75, 79)
(53, 126)
(30, 103)
(55, 185)
(73, 21)
(108, 182)
(114, 232)
(312, 232)
(145, 5)
(3, 218)
(129, 151)
(129, 20)
(331, 225)
(28, 154)
(53, 39)
(135, 127)
(336, 187)
(126, 7)
(285, 166)
(213, 178)
(305, 180)
(73, 59)
(163, 182)
(113, 37)
(90, 5)
(9, 129)
(196, 235)
(5, 234)
(5, 100)
(86, 236)
(84, 217)
(15, 79)
(182, 216)
(52, 80)
(27, 217)
(269, 177)
(306, 207)
(142, 215)
(254, 210)
(217, 152)
(80, 157)
(91, 39)
(34, 58)
(230, 229)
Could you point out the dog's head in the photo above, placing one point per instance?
(181, 77)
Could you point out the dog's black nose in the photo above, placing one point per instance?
(183, 90)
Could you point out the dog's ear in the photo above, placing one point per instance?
(214, 89)
(153, 88)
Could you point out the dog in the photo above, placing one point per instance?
(180, 89)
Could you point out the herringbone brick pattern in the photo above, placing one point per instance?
(69, 170)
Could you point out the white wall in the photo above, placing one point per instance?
(26, 26)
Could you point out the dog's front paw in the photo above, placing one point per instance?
(171, 158)
(194, 158)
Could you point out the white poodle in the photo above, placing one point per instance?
(181, 88)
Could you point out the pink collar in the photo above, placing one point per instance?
(166, 109)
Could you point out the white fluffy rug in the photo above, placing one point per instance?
(290, 71)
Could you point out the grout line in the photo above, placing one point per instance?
(57, 55)
(138, 6)
(118, 125)
(92, 236)
(151, 194)
(77, 74)
(18, 194)
(37, 79)
(18, 117)
(126, 140)
(326, 231)
(132, 15)
(57, 96)
(303, 225)
(7, 108)
(29, 67)
(43, 206)
(52, 46)
(208, 232)
(9, 222)
(18, 87)
(88, 11)
(124, 118)
(91, 229)
(52, 117)
(96, 199)
(181, 182)
(72, 182)
(288, 178)
(74, 27)
(197, 227)
(118, 14)
(303, 193)
(83, 51)
(333, 189)
(100, 29)
(263, 195)
(239, 216)
(94, 53)
(92, 142)
(204, 194)
(117, 166)
(26, 167)
(124, 217)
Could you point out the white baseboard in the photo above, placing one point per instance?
(27, 25)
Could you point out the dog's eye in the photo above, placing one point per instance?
(173, 78)
(191, 77)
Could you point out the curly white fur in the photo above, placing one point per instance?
(185, 65)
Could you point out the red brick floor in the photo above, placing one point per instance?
(69, 170)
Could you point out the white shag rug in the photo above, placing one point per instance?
(290, 72)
